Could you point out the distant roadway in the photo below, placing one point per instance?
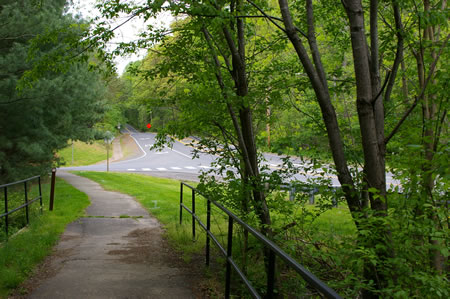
(177, 161)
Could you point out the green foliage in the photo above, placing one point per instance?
(116, 98)
(37, 118)
(83, 153)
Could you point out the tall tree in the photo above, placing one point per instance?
(371, 114)
(433, 40)
(38, 120)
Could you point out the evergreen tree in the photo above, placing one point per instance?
(37, 120)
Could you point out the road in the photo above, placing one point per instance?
(177, 161)
(174, 162)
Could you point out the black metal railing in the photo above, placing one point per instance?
(274, 250)
(27, 201)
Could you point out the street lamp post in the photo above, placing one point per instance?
(109, 137)
(107, 157)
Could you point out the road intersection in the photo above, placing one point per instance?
(178, 161)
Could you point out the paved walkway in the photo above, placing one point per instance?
(105, 256)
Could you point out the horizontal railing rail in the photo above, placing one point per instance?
(21, 181)
(274, 250)
(26, 204)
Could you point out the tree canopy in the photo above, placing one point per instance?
(38, 117)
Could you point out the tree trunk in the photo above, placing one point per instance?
(328, 112)
(367, 106)
(371, 119)
(243, 123)
(430, 137)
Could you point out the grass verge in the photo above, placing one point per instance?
(129, 146)
(84, 153)
(23, 251)
(161, 198)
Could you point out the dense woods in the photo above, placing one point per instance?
(44, 100)
(356, 88)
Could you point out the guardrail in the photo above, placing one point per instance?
(311, 190)
(274, 250)
(26, 204)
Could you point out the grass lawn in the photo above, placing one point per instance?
(336, 221)
(22, 252)
(161, 197)
(84, 153)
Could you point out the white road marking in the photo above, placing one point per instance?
(161, 153)
(146, 169)
(131, 169)
(176, 168)
(181, 153)
(205, 167)
(161, 168)
(146, 138)
(148, 145)
(274, 165)
(189, 167)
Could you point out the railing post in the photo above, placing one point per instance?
(229, 254)
(292, 192)
(208, 228)
(40, 192)
(52, 189)
(26, 202)
(334, 198)
(193, 213)
(271, 275)
(181, 202)
(312, 192)
(6, 211)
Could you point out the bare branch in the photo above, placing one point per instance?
(110, 30)
(313, 43)
(233, 116)
(273, 19)
(216, 59)
(318, 123)
(17, 37)
(388, 76)
(225, 58)
(399, 51)
(422, 92)
(23, 99)
(225, 135)
(439, 126)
